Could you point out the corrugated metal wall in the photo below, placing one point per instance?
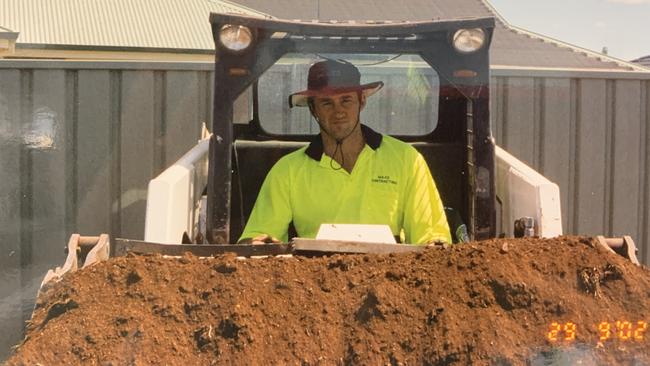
(589, 135)
(79, 142)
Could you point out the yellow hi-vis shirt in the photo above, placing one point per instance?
(390, 184)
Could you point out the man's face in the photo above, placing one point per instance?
(338, 113)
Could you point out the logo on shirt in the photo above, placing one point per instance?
(384, 179)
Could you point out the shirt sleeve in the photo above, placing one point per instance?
(271, 214)
(424, 215)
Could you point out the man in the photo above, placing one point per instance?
(349, 174)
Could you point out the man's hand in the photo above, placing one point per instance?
(437, 243)
(260, 239)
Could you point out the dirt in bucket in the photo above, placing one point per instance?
(561, 301)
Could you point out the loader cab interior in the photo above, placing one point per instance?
(434, 97)
(266, 128)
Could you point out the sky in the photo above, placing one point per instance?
(623, 26)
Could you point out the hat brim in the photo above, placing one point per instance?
(300, 99)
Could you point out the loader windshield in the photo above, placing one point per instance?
(406, 105)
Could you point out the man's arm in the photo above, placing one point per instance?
(424, 215)
(272, 213)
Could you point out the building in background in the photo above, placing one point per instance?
(7, 41)
(155, 30)
(171, 30)
(645, 61)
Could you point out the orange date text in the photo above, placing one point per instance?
(622, 330)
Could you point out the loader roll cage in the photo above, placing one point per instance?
(459, 151)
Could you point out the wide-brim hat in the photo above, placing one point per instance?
(331, 77)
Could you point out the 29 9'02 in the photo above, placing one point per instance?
(622, 330)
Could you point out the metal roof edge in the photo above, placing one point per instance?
(12, 36)
(558, 43)
(350, 28)
(515, 71)
(496, 13)
(6, 33)
(104, 65)
(641, 58)
(73, 47)
(236, 5)
(578, 49)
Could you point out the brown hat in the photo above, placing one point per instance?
(332, 77)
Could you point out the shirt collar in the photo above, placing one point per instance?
(315, 148)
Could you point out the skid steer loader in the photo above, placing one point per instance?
(436, 97)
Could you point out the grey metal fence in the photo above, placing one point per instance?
(588, 133)
(79, 143)
(80, 140)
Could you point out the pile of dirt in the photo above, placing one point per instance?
(493, 302)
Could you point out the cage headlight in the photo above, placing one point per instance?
(469, 40)
(235, 37)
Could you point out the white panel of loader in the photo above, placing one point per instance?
(171, 198)
(526, 193)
